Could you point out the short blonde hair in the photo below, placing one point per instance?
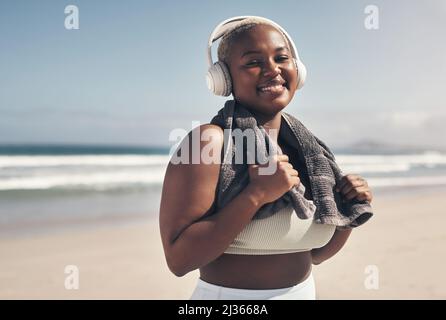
(228, 40)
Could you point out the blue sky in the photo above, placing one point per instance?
(135, 69)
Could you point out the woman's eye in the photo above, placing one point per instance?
(252, 63)
(282, 58)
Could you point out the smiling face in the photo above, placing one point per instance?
(264, 77)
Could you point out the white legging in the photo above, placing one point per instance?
(301, 291)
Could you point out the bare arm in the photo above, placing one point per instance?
(203, 241)
(351, 186)
(191, 241)
(336, 243)
(188, 194)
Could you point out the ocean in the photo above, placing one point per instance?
(55, 186)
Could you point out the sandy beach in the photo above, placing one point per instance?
(404, 242)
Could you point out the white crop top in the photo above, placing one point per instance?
(283, 232)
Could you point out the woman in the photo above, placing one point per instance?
(264, 79)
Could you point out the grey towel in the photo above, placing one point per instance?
(323, 172)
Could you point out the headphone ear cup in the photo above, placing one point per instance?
(218, 79)
(301, 73)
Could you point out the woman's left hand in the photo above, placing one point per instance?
(354, 186)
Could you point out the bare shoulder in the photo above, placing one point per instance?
(197, 147)
(189, 185)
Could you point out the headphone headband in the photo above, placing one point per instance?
(221, 29)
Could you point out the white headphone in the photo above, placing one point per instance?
(218, 78)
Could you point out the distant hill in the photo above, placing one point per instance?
(368, 146)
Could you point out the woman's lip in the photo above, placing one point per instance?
(274, 92)
(285, 85)
(272, 85)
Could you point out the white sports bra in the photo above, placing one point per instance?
(282, 232)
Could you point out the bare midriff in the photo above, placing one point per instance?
(258, 271)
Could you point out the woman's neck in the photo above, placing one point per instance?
(268, 122)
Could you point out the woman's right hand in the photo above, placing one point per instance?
(270, 187)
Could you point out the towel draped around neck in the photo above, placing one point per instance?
(323, 172)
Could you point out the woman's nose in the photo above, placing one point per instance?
(271, 70)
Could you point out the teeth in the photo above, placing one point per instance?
(270, 88)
